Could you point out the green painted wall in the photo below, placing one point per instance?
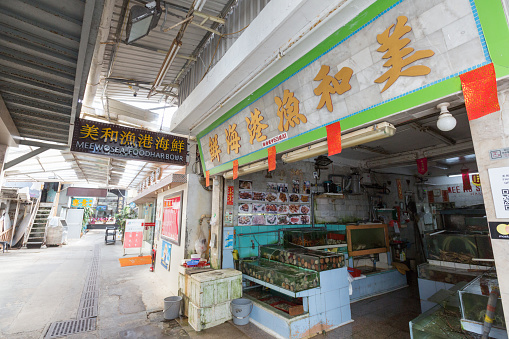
(496, 32)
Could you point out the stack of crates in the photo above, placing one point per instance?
(210, 295)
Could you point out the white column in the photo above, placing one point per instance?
(217, 221)
(3, 154)
(489, 133)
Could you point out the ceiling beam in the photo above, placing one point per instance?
(8, 130)
(24, 157)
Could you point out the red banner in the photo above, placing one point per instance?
(334, 138)
(272, 158)
(445, 195)
(229, 197)
(235, 169)
(466, 180)
(422, 165)
(431, 197)
(480, 91)
(207, 179)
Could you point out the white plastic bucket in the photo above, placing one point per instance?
(172, 307)
(241, 309)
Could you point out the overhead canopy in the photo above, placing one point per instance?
(45, 53)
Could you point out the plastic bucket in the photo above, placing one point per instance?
(172, 307)
(241, 309)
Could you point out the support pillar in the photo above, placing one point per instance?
(216, 223)
(489, 133)
(3, 155)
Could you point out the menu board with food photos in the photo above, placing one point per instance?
(276, 206)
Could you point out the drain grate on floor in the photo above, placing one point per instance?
(90, 295)
(87, 312)
(64, 328)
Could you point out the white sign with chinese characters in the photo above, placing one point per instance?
(499, 180)
(411, 46)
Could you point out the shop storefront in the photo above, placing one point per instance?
(292, 204)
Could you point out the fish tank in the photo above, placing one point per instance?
(474, 299)
(449, 275)
(301, 257)
(437, 323)
(291, 278)
(458, 247)
(305, 237)
(367, 239)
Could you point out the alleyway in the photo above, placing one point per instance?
(40, 287)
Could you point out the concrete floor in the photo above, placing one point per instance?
(41, 286)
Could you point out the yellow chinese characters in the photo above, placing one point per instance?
(255, 127)
(214, 149)
(288, 111)
(145, 140)
(232, 139)
(127, 138)
(88, 131)
(109, 133)
(339, 84)
(177, 145)
(162, 143)
(397, 54)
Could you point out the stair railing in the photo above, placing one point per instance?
(33, 214)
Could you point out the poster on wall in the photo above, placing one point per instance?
(165, 254)
(499, 180)
(172, 218)
(228, 238)
(133, 236)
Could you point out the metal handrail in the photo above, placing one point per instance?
(33, 213)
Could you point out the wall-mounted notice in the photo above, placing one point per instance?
(165, 254)
(133, 236)
(499, 180)
(172, 218)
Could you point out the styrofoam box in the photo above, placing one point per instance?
(201, 318)
(215, 287)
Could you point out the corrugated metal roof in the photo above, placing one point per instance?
(40, 62)
(140, 62)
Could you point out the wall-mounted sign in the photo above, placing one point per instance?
(501, 153)
(499, 230)
(392, 55)
(102, 208)
(499, 180)
(82, 202)
(122, 142)
(229, 196)
(172, 218)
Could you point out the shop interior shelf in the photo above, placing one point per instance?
(327, 246)
(303, 257)
(288, 277)
(279, 289)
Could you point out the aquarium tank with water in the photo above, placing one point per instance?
(367, 239)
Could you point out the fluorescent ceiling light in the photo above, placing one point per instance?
(459, 175)
(257, 166)
(372, 133)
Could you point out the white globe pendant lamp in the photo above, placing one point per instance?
(446, 121)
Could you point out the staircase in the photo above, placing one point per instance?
(38, 231)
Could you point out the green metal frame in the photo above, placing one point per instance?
(496, 32)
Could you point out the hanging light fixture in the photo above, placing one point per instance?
(141, 20)
(446, 121)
